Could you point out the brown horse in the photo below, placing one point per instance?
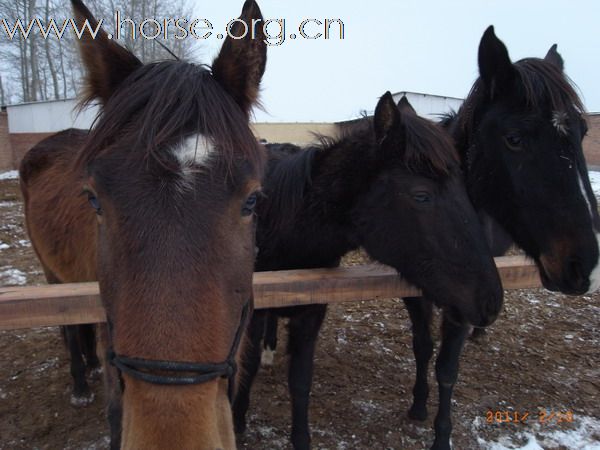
(171, 170)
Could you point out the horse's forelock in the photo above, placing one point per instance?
(545, 82)
(161, 104)
(542, 85)
(429, 149)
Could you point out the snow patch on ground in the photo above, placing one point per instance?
(9, 276)
(585, 436)
(595, 181)
(4, 246)
(101, 444)
(10, 175)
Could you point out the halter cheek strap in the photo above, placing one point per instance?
(144, 369)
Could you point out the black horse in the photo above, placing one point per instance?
(393, 186)
(519, 134)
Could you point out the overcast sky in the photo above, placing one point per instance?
(427, 46)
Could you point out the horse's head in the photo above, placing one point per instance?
(417, 217)
(522, 129)
(172, 170)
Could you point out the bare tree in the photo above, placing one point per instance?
(41, 67)
(50, 57)
(2, 98)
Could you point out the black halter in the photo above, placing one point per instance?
(142, 368)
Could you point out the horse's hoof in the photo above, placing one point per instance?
(96, 373)
(419, 414)
(478, 334)
(301, 441)
(442, 446)
(267, 357)
(82, 400)
(240, 428)
(441, 442)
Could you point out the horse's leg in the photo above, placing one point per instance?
(251, 364)
(113, 389)
(419, 310)
(270, 340)
(446, 369)
(82, 395)
(88, 337)
(303, 333)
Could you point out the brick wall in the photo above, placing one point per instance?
(591, 144)
(14, 146)
(6, 154)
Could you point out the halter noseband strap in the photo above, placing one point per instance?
(142, 368)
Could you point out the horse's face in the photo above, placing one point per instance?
(526, 166)
(418, 219)
(173, 171)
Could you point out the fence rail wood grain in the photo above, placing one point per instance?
(75, 303)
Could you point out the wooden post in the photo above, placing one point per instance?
(75, 303)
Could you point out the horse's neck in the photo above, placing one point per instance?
(340, 173)
(459, 137)
(320, 232)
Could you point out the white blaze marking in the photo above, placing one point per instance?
(194, 150)
(267, 357)
(559, 121)
(585, 197)
(595, 275)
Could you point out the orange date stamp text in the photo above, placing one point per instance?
(542, 416)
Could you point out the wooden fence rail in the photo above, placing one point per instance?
(67, 304)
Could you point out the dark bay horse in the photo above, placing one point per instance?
(392, 186)
(519, 134)
(157, 203)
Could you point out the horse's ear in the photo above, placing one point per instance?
(386, 116)
(405, 106)
(495, 67)
(553, 57)
(241, 62)
(107, 63)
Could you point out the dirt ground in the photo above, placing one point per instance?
(542, 353)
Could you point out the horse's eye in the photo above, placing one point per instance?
(249, 204)
(421, 197)
(514, 142)
(94, 203)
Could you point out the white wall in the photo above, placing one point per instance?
(58, 115)
(48, 117)
(430, 106)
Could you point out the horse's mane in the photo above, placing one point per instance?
(429, 152)
(165, 101)
(542, 85)
(288, 178)
(447, 119)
